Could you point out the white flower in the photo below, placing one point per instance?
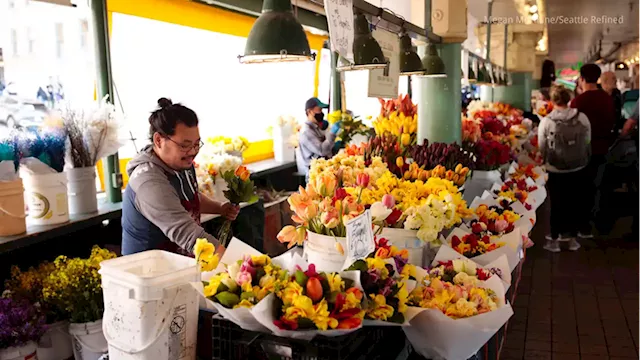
(379, 212)
(233, 269)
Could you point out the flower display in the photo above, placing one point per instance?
(491, 154)
(430, 155)
(471, 130)
(493, 220)
(398, 117)
(74, 286)
(431, 217)
(471, 245)
(388, 148)
(349, 126)
(319, 301)
(28, 285)
(525, 171)
(516, 190)
(458, 175)
(454, 300)
(20, 323)
(245, 282)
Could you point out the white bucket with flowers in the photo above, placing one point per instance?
(325, 251)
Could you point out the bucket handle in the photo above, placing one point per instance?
(12, 214)
(131, 350)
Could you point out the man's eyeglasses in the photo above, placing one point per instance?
(187, 148)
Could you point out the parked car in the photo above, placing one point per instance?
(16, 112)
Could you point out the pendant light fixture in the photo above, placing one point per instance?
(367, 53)
(432, 63)
(410, 63)
(276, 36)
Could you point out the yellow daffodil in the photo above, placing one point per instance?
(335, 282)
(292, 291)
(321, 317)
(378, 308)
(205, 255)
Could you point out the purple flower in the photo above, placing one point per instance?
(374, 275)
(20, 322)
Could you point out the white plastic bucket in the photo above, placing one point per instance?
(480, 181)
(12, 214)
(82, 190)
(151, 308)
(321, 251)
(26, 352)
(88, 340)
(46, 197)
(55, 344)
(406, 239)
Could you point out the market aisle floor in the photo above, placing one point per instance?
(577, 305)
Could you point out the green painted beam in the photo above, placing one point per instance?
(439, 100)
(112, 177)
(336, 87)
(519, 93)
(254, 8)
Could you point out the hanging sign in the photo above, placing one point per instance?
(383, 83)
(360, 242)
(340, 20)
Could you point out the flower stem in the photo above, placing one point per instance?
(225, 233)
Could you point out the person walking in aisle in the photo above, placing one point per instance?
(564, 140)
(599, 108)
(609, 84)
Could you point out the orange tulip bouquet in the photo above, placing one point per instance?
(240, 189)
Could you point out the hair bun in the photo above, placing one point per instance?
(164, 103)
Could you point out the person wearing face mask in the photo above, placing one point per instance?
(161, 206)
(313, 142)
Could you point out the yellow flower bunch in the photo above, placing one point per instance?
(413, 194)
(206, 256)
(347, 168)
(483, 211)
(227, 144)
(74, 286)
(454, 300)
(397, 124)
(29, 284)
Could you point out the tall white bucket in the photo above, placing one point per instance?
(46, 197)
(321, 251)
(82, 190)
(12, 215)
(55, 344)
(151, 310)
(406, 239)
(25, 352)
(88, 340)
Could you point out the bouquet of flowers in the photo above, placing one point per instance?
(430, 218)
(520, 171)
(240, 188)
(471, 130)
(46, 146)
(347, 168)
(209, 171)
(398, 117)
(20, 323)
(454, 299)
(526, 191)
(319, 301)
(349, 126)
(491, 154)
(92, 133)
(323, 208)
(75, 287)
(448, 264)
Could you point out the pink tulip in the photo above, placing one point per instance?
(388, 201)
(362, 180)
(501, 225)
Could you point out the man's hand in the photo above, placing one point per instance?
(229, 211)
(628, 127)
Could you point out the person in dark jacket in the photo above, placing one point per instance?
(548, 74)
(599, 108)
(609, 84)
(162, 206)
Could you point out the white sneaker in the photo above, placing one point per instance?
(560, 238)
(574, 245)
(552, 246)
(585, 236)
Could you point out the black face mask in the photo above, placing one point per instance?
(322, 124)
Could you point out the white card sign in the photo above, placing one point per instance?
(340, 20)
(360, 241)
(383, 83)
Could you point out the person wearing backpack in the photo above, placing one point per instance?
(564, 138)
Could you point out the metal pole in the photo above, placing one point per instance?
(489, 8)
(112, 177)
(506, 41)
(336, 87)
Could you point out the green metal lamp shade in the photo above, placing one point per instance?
(276, 36)
(366, 50)
(432, 63)
(410, 63)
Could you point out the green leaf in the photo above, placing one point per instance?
(397, 318)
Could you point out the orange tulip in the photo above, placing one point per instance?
(243, 173)
(292, 235)
(362, 180)
(350, 323)
(355, 292)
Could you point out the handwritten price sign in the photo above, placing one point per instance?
(340, 20)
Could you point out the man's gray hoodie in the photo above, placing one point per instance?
(161, 207)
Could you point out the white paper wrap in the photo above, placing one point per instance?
(435, 335)
(511, 249)
(542, 175)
